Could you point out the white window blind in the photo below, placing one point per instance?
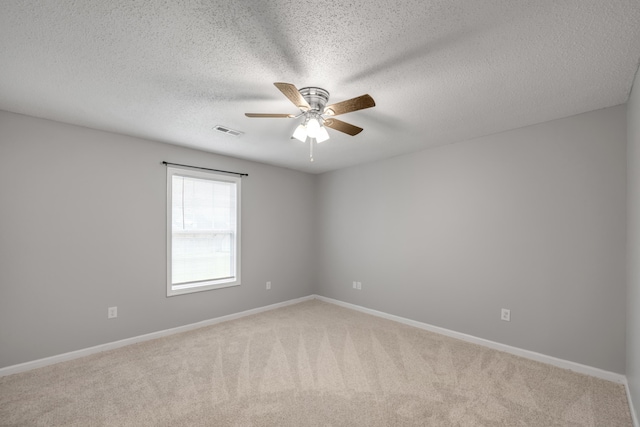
(202, 231)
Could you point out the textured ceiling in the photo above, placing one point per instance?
(440, 71)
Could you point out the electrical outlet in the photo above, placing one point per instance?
(506, 315)
(355, 285)
(112, 312)
(268, 285)
(359, 285)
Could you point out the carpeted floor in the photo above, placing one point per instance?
(309, 364)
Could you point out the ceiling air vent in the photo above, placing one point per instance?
(228, 131)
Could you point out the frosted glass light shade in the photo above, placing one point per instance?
(300, 133)
(322, 135)
(313, 127)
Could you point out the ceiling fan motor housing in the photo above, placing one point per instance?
(316, 98)
(312, 102)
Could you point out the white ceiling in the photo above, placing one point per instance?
(440, 71)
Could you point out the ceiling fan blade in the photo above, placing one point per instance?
(271, 116)
(294, 95)
(341, 126)
(353, 104)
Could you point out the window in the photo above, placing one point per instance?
(203, 231)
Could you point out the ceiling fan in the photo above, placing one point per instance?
(312, 103)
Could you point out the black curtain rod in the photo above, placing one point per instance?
(207, 169)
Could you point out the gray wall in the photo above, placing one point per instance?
(633, 242)
(532, 220)
(82, 228)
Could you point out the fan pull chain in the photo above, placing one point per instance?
(311, 140)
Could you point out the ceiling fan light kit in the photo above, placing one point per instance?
(312, 103)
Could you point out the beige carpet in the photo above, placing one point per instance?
(309, 364)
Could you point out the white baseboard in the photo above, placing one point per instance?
(577, 367)
(560, 363)
(22, 367)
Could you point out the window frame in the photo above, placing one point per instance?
(204, 285)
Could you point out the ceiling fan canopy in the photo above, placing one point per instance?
(315, 97)
(312, 102)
